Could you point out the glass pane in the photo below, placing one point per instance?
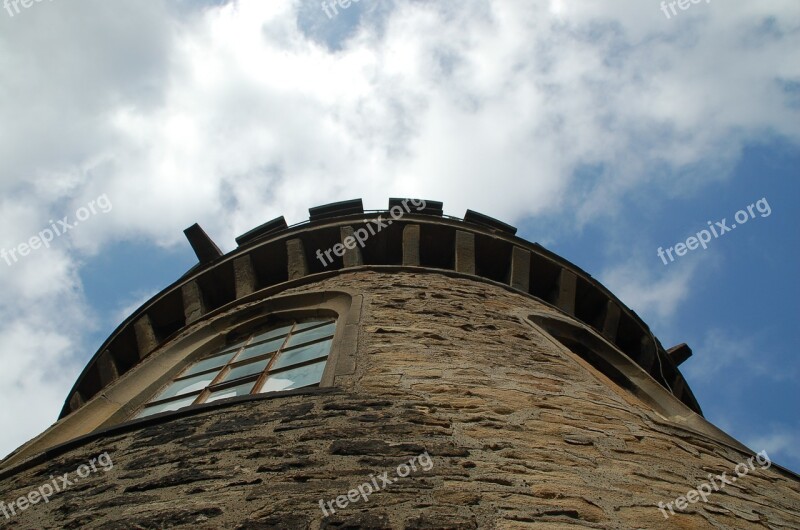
(248, 369)
(207, 364)
(294, 378)
(238, 390)
(273, 333)
(163, 407)
(312, 334)
(302, 354)
(185, 386)
(310, 323)
(260, 349)
(233, 346)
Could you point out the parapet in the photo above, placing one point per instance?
(421, 238)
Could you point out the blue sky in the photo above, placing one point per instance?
(602, 129)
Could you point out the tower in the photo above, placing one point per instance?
(387, 369)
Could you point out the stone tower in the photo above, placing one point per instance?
(387, 369)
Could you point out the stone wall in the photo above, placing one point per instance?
(522, 434)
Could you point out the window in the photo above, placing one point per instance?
(286, 356)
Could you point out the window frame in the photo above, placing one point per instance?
(113, 409)
(611, 366)
(213, 332)
(238, 341)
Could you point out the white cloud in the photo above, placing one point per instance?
(43, 316)
(233, 115)
(640, 288)
(781, 443)
(723, 350)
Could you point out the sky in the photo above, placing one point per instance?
(603, 129)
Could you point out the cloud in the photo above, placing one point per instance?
(250, 108)
(646, 292)
(233, 114)
(726, 351)
(781, 443)
(43, 316)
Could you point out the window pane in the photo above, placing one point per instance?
(239, 390)
(260, 349)
(273, 333)
(185, 386)
(312, 334)
(207, 364)
(163, 407)
(295, 378)
(310, 323)
(302, 354)
(248, 369)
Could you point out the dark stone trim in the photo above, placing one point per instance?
(155, 419)
(482, 219)
(679, 353)
(205, 249)
(270, 227)
(431, 207)
(335, 209)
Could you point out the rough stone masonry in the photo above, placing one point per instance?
(523, 434)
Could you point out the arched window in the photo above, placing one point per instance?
(287, 355)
